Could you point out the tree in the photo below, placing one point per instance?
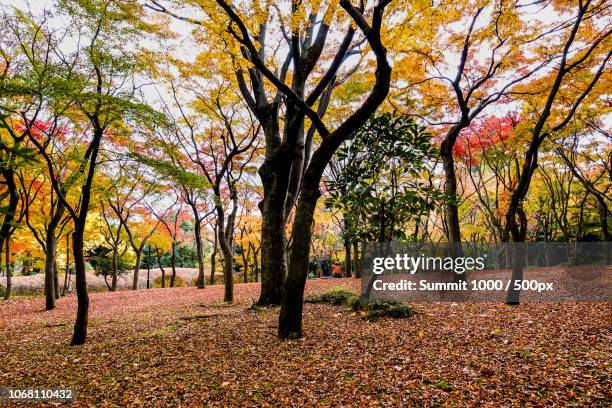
(380, 187)
(552, 102)
(444, 74)
(87, 90)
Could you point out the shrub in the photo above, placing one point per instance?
(178, 281)
(338, 296)
(2, 291)
(370, 310)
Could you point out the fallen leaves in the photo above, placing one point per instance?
(141, 353)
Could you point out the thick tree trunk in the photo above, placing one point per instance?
(200, 254)
(290, 319)
(273, 252)
(80, 326)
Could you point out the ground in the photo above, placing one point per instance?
(182, 347)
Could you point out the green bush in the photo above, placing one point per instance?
(178, 281)
(370, 310)
(338, 296)
(2, 291)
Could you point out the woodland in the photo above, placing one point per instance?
(182, 182)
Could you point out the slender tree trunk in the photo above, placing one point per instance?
(113, 287)
(356, 261)
(173, 265)
(56, 279)
(256, 265)
(9, 179)
(347, 260)
(9, 272)
(67, 274)
(603, 218)
(213, 256)
(200, 253)
(161, 268)
(137, 268)
(225, 233)
(450, 188)
(51, 245)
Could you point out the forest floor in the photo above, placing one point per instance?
(182, 347)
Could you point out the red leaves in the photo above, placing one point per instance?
(483, 134)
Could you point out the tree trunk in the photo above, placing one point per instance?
(290, 319)
(200, 253)
(9, 272)
(450, 188)
(67, 273)
(225, 236)
(163, 271)
(113, 287)
(51, 245)
(80, 326)
(213, 257)
(256, 265)
(56, 279)
(9, 179)
(273, 251)
(356, 261)
(173, 266)
(603, 218)
(347, 260)
(137, 269)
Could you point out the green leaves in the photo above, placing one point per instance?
(379, 187)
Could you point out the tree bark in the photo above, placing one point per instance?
(356, 260)
(200, 253)
(113, 287)
(51, 245)
(137, 268)
(290, 319)
(173, 265)
(56, 279)
(67, 273)
(273, 251)
(80, 326)
(9, 272)
(347, 260)
(161, 268)
(213, 256)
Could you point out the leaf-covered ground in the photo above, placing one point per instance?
(181, 347)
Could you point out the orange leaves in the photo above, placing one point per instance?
(448, 354)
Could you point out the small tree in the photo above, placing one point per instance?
(101, 259)
(377, 179)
